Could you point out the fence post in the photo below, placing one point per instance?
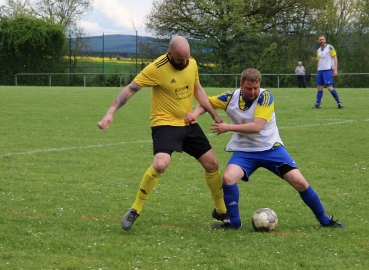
(84, 80)
(15, 80)
(49, 79)
(120, 80)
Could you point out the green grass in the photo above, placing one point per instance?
(65, 184)
(123, 66)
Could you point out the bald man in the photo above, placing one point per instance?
(174, 82)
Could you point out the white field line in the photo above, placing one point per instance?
(318, 124)
(340, 122)
(70, 148)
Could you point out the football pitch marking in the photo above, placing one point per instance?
(339, 122)
(325, 124)
(70, 148)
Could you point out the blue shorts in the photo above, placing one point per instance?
(324, 77)
(277, 160)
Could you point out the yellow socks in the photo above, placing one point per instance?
(214, 182)
(148, 182)
(151, 178)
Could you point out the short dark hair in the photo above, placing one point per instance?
(250, 74)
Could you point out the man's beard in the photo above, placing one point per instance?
(179, 66)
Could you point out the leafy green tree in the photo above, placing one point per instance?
(30, 45)
(16, 8)
(224, 27)
(64, 12)
(235, 34)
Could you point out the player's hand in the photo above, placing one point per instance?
(219, 128)
(218, 120)
(104, 124)
(190, 119)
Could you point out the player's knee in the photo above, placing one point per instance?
(209, 162)
(300, 184)
(229, 179)
(296, 179)
(160, 167)
(226, 179)
(211, 165)
(161, 162)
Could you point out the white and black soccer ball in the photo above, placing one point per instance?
(264, 220)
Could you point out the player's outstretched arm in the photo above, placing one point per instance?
(191, 118)
(121, 99)
(252, 127)
(203, 100)
(199, 110)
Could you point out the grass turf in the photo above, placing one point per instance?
(65, 185)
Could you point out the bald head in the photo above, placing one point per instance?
(179, 52)
(178, 43)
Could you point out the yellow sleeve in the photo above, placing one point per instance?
(265, 107)
(332, 51)
(221, 101)
(149, 76)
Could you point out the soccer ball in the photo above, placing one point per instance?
(264, 220)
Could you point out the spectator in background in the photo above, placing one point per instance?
(300, 71)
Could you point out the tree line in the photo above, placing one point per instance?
(33, 36)
(225, 36)
(270, 35)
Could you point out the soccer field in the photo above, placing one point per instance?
(65, 185)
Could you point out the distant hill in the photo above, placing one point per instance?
(114, 43)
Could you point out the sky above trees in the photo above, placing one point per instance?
(114, 17)
(117, 16)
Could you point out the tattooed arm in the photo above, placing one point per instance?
(121, 99)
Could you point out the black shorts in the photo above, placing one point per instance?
(190, 139)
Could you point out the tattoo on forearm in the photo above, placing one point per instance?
(119, 102)
(125, 95)
(133, 89)
(115, 102)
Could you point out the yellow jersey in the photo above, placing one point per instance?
(172, 90)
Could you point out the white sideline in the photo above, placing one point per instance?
(69, 148)
(341, 121)
(326, 124)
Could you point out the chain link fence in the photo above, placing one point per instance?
(344, 80)
(114, 60)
